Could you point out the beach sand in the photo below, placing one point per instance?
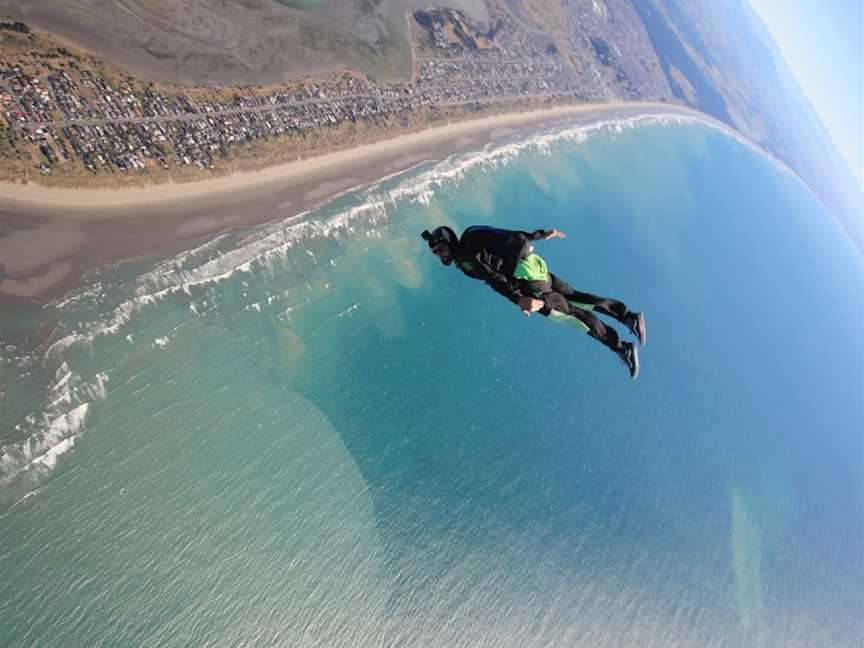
(49, 237)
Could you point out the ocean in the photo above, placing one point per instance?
(311, 433)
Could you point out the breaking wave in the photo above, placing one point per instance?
(47, 435)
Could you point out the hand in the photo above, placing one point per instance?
(528, 305)
(555, 234)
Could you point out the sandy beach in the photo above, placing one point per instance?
(49, 237)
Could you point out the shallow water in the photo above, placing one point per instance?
(311, 433)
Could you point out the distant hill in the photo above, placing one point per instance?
(815, 157)
(732, 69)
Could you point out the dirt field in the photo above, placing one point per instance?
(235, 42)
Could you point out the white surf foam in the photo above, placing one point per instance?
(52, 433)
(207, 265)
(42, 449)
(277, 239)
(348, 311)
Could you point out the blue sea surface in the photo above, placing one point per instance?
(311, 433)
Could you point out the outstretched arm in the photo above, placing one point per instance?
(543, 235)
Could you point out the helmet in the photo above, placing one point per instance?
(441, 237)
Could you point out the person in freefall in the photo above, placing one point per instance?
(506, 261)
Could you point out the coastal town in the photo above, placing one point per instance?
(63, 114)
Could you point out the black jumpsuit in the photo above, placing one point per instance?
(491, 254)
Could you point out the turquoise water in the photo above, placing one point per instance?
(312, 434)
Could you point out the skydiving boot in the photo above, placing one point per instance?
(636, 323)
(629, 355)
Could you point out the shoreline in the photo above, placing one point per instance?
(33, 196)
(49, 237)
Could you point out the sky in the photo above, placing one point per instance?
(822, 44)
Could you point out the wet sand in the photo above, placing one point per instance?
(50, 237)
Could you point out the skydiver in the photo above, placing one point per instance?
(506, 261)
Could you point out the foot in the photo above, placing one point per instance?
(636, 323)
(629, 355)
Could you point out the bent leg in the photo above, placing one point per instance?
(588, 302)
(559, 309)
